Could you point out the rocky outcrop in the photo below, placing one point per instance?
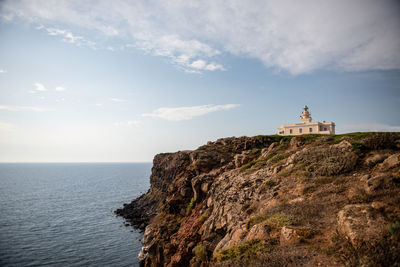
(270, 200)
(361, 223)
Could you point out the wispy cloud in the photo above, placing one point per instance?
(60, 88)
(40, 87)
(370, 127)
(118, 100)
(3, 71)
(187, 113)
(99, 104)
(68, 37)
(5, 126)
(131, 123)
(296, 36)
(23, 108)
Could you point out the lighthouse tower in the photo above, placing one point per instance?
(306, 115)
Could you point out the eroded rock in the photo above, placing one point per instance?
(361, 223)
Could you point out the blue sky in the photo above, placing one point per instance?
(100, 81)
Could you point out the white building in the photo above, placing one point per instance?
(307, 126)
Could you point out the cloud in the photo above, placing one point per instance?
(187, 113)
(118, 100)
(5, 126)
(99, 104)
(60, 88)
(131, 123)
(22, 108)
(40, 87)
(294, 36)
(3, 71)
(370, 127)
(68, 37)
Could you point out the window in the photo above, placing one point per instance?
(310, 130)
(300, 130)
(325, 129)
(291, 131)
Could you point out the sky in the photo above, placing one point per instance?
(120, 81)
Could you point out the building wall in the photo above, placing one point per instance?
(304, 128)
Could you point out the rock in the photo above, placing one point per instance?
(344, 145)
(258, 231)
(361, 223)
(289, 236)
(266, 151)
(297, 142)
(230, 240)
(185, 191)
(296, 200)
(375, 183)
(242, 158)
(375, 159)
(390, 162)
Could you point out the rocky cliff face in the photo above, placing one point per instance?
(274, 201)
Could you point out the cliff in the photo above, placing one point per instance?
(274, 201)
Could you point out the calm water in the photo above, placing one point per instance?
(61, 214)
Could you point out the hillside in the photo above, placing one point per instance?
(274, 201)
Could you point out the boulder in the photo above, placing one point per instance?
(258, 231)
(289, 236)
(391, 162)
(374, 159)
(360, 224)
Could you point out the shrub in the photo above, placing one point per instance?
(276, 221)
(200, 252)
(381, 140)
(394, 227)
(326, 161)
(243, 252)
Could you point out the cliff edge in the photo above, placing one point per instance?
(312, 200)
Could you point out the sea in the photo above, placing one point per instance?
(61, 214)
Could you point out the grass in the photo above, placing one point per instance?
(255, 152)
(242, 252)
(276, 221)
(203, 218)
(248, 165)
(191, 205)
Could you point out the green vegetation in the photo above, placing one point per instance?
(203, 218)
(357, 145)
(200, 252)
(273, 138)
(255, 152)
(355, 136)
(191, 205)
(394, 226)
(248, 165)
(279, 157)
(276, 221)
(243, 252)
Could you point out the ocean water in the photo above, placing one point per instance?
(61, 214)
